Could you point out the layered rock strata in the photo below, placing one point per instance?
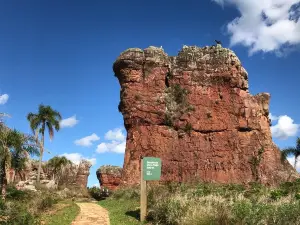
(195, 112)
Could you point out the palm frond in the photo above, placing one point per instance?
(50, 129)
(288, 151)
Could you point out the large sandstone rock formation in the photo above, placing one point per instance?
(195, 112)
(69, 175)
(109, 176)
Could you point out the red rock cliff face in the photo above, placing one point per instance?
(195, 112)
(109, 176)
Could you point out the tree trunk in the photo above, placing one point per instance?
(295, 164)
(40, 166)
(41, 158)
(3, 180)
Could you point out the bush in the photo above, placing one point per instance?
(46, 203)
(15, 194)
(169, 212)
(126, 193)
(98, 194)
(277, 194)
(16, 213)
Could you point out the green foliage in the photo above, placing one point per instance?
(297, 196)
(98, 193)
(14, 147)
(168, 120)
(46, 203)
(58, 161)
(56, 165)
(17, 195)
(295, 151)
(277, 194)
(205, 203)
(125, 212)
(169, 76)
(126, 193)
(188, 128)
(176, 104)
(16, 208)
(18, 213)
(64, 216)
(168, 211)
(46, 117)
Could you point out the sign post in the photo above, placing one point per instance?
(150, 170)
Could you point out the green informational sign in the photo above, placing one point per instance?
(151, 168)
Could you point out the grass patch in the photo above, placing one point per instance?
(61, 215)
(208, 204)
(122, 211)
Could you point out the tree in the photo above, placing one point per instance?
(56, 164)
(295, 151)
(13, 146)
(46, 118)
(19, 157)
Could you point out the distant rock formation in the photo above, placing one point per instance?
(109, 176)
(195, 112)
(70, 175)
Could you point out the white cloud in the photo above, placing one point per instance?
(285, 128)
(268, 26)
(272, 117)
(3, 99)
(96, 185)
(117, 142)
(115, 135)
(220, 2)
(69, 122)
(114, 146)
(76, 158)
(87, 141)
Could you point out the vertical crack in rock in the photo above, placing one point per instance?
(195, 112)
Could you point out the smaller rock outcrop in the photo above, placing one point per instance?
(70, 175)
(109, 176)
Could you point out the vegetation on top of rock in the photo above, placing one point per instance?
(109, 169)
(176, 103)
(57, 164)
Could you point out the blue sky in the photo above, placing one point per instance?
(60, 53)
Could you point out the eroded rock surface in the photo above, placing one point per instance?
(69, 175)
(109, 176)
(195, 112)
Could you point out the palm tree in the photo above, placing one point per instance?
(12, 143)
(45, 118)
(19, 156)
(295, 151)
(56, 164)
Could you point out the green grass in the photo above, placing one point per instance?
(208, 204)
(63, 216)
(125, 212)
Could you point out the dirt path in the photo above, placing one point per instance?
(91, 214)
